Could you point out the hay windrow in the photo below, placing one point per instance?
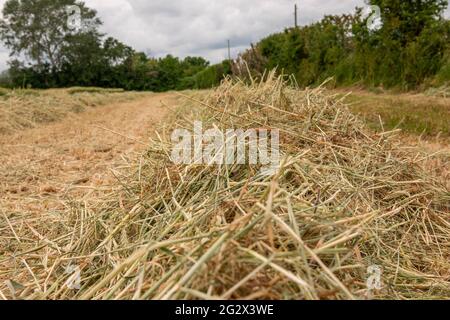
(343, 200)
(23, 109)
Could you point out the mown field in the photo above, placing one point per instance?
(349, 195)
(26, 108)
(422, 114)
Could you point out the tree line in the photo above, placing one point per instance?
(410, 50)
(48, 53)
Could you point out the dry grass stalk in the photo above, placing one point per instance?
(23, 109)
(344, 199)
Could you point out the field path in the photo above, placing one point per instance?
(75, 157)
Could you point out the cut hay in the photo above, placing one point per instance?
(344, 200)
(24, 109)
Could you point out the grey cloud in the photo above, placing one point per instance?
(202, 27)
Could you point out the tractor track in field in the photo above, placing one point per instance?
(75, 157)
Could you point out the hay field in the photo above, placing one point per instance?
(27, 108)
(345, 198)
(421, 114)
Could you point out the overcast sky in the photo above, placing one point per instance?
(202, 27)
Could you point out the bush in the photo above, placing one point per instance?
(344, 48)
(443, 76)
(211, 76)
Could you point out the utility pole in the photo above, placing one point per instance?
(296, 16)
(229, 51)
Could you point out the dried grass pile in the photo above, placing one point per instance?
(24, 109)
(343, 200)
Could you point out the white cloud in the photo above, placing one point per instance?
(202, 27)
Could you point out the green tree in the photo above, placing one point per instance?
(408, 49)
(405, 20)
(39, 29)
(193, 65)
(170, 72)
(411, 48)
